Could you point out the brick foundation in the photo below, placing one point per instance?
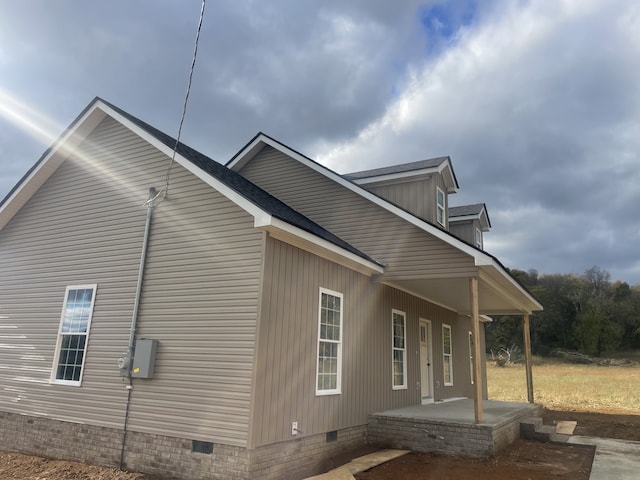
(449, 438)
(171, 456)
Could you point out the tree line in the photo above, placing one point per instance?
(585, 313)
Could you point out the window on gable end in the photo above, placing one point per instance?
(478, 238)
(328, 373)
(440, 213)
(73, 335)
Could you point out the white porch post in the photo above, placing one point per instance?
(477, 354)
(526, 332)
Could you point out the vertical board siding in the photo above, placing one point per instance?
(465, 230)
(287, 346)
(85, 225)
(396, 243)
(417, 196)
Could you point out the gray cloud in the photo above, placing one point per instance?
(536, 102)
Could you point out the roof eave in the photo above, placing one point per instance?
(297, 237)
(49, 162)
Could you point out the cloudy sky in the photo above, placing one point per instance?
(537, 102)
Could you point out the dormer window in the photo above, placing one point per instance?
(478, 238)
(440, 214)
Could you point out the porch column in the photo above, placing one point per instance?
(526, 332)
(477, 354)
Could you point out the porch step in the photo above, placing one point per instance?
(532, 428)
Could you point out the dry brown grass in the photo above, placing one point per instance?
(562, 386)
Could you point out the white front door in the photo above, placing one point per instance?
(426, 369)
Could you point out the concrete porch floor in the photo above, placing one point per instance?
(495, 413)
(450, 428)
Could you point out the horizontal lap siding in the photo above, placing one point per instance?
(287, 346)
(377, 232)
(85, 225)
(199, 300)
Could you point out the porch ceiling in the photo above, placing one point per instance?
(498, 293)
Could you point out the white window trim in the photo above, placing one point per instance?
(471, 356)
(403, 350)
(447, 357)
(479, 238)
(338, 389)
(441, 208)
(56, 355)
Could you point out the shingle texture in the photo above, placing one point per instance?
(402, 168)
(464, 210)
(244, 187)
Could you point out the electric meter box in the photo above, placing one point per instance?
(144, 358)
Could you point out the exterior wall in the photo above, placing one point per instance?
(417, 196)
(173, 456)
(287, 348)
(85, 225)
(465, 230)
(396, 243)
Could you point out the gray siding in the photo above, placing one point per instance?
(418, 197)
(465, 230)
(85, 225)
(287, 347)
(407, 251)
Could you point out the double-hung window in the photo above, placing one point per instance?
(73, 334)
(399, 348)
(441, 212)
(328, 380)
(447, 355)
(478, 238)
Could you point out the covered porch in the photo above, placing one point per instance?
(450, 427)
(485, 289)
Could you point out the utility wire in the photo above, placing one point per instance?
(165, 191)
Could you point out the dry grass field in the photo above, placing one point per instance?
(563, 386)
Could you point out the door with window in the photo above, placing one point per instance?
(426, 361)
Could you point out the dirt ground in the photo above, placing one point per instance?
(524, 460)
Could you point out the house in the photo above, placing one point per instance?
(240, 321)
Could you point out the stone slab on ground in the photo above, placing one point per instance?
(360, 464)
(566, 427)
(619, 459)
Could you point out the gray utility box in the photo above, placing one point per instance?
(144, 358)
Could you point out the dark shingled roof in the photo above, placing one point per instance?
(405, 167)
(244, 187)
(464, 210)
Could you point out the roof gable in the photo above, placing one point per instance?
(269, 213)
(481, 259)
(476, 211)
(251, 149)
(409, 171)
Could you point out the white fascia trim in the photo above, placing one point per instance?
(480, 257)
(297, 237)
(464, 217)
(213, 182)
(411, 174)
(396, 177)
(486, 276)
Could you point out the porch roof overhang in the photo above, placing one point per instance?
(498, 292)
